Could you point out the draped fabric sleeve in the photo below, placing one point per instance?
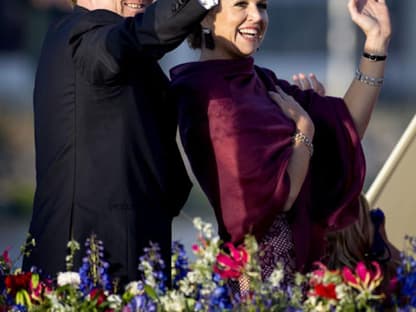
(239, 148)
(337, 168)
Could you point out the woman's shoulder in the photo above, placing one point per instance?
(271, 79)
(202, 79)
(192, 73)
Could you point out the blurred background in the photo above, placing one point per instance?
(304, 36)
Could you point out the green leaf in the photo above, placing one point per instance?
(150, 292)
(35, 280)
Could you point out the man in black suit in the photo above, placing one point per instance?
(106, 155)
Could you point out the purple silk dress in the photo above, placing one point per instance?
(239, 143)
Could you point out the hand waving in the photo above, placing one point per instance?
(373, 17)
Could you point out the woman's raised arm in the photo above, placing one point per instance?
(372, 16)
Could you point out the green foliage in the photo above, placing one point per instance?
(19, 200)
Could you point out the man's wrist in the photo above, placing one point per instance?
(208, 4)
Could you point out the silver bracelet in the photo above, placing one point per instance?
(371, 81)
(299, 136)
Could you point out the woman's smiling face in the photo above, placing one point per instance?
(238, 27)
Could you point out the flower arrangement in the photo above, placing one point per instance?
(209, 283)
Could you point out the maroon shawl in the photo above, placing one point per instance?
(238, 142)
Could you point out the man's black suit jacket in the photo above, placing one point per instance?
(106, 155)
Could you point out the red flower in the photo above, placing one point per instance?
(98, 294)
(231, 265)
(17, 282)
(326, 291)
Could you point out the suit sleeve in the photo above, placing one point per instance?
(102, 42)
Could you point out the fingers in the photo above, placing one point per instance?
(302, 81)
(282, 93)
(309, 82)
(279, 96)
(353, 9)
(292, 109)
(296, 81)
(317, 85)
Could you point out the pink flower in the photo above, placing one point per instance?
(38, 288)
(393, 286)
(6, 258)
(231, 265)
(320, 271)
(363, 279)
(319, 274)
(195, 248)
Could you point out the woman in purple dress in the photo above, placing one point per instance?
(281, 163)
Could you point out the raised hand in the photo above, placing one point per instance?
(309, 82)
(373, 17)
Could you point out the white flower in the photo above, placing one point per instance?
(193, 276)
(341, 291)
(204, 227)
(186, 287)
(134, 289)
(56, 306)
(69, 278)
(198, 223)
(114, 301)
(276, 277)
(207, 230)
(173, 302)
(147, 269)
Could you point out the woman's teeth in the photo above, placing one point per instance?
(248, 32)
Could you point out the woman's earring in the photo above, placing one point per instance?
(208, 39)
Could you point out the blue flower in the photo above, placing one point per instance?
(18, 308)
(180, 265)
(142, 303)
(406, 275)
(153, 257)
(93, 272)
(221, 299)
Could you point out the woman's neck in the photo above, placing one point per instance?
(207, 55)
